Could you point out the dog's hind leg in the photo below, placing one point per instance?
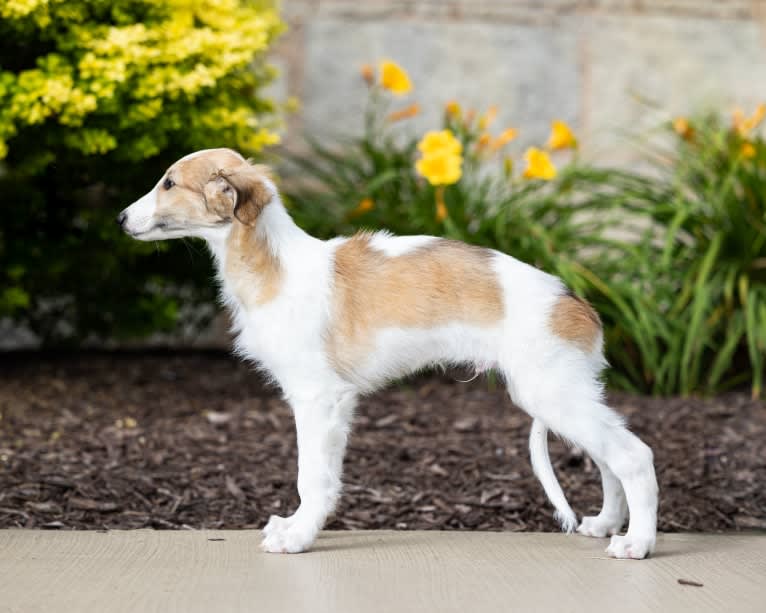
(612, 516)
(567, 398)
(322, 423)
(614, 510)
(631, 460)
(600, 432)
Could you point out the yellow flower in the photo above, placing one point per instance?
(486, 120)
(484, 140)
(440, 142)
(506, 136)
(368, 73)
(748, 150)
(405, 113)
(394, 78)
(744, 125)
(539, 165)
(561, 136)
(441, 163)
(440, 168)
(683, 128)
(452, 108)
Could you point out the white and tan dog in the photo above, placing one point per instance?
(332, 320)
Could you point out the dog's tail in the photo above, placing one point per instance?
(541, 465)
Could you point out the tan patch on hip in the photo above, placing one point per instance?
(442, 282)
(252, 269)
(574, 320)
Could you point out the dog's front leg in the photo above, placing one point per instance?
(322, 426)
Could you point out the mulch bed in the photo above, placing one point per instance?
(102, 441)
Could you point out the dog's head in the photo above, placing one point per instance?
(200, 193)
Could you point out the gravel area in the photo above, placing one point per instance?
(195, 440)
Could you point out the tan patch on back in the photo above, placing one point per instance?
(574, 320)
(251, 268)
(441, 282)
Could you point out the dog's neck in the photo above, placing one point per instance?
(252, 260)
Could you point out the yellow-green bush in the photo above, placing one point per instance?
(96, 97)
(101, 76)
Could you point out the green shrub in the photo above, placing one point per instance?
(693, 316)
(373, 181)
(96, 98)
(682, 290)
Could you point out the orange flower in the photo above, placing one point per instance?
(486, 120)
(738, 119)
(506, 136)
(365, 205)
(441, 207)
(748, 150)
(759, 115)
(368, 73)
(744, 125)
(683, 128)
(405, 113)
(484, 141)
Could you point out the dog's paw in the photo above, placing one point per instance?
(282, 535)
(598, 527)
(630, 547)
(276, 524)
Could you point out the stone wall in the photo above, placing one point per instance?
(607, 66)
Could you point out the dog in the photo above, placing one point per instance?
(332, 320)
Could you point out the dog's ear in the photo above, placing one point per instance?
(240, 192)
(250, 191)
(220, 196)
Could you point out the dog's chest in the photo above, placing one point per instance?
(285, 335)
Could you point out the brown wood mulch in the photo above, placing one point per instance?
(102, 441)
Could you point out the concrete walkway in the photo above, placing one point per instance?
(362, 572)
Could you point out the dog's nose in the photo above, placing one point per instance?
(121, 219)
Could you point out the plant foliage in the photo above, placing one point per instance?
(674, 260)
(96, 98)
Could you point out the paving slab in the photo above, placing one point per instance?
(374, 571)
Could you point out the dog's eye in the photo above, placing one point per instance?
(168, 183)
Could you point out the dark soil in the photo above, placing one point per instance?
(104, 441)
